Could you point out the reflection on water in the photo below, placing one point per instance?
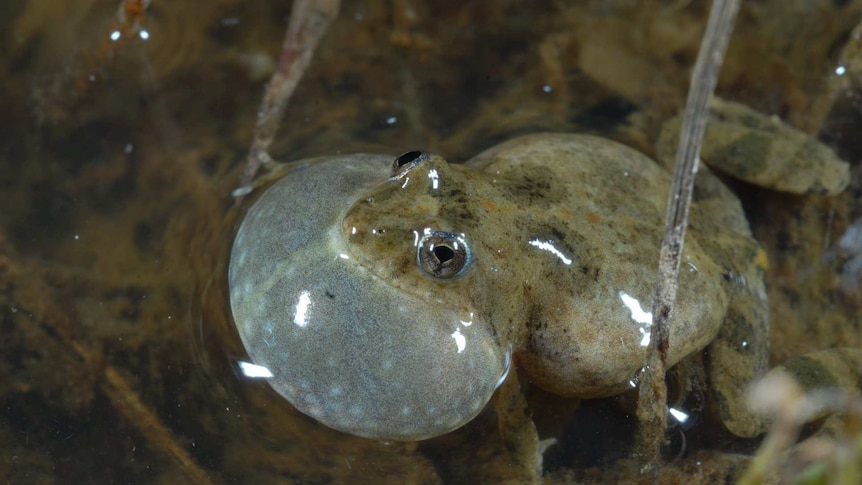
(119, 359)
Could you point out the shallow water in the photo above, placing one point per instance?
(117, 159)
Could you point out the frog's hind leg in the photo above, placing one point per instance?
(826, 384)
(835, 368)
(762, 150)
(739, 354)
(838, 369)
(740, 351)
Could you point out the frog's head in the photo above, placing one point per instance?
(416, 230)
(347, 285)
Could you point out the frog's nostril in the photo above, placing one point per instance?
(407, 158)
(405, 163)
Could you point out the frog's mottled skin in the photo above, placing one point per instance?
(562, 235)
(565, 230)
(762, 150)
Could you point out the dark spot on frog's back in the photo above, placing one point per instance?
(456, 205)
(747, 155)
(462, 213)
(809, 373)
(536, 184)
(740, 330)
(591, 271)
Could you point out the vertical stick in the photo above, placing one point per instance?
(309, 20)
(652, 402)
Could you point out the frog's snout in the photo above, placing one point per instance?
(343, 345)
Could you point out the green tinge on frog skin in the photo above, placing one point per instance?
(344, 347)
(387, 297)
(338, 287)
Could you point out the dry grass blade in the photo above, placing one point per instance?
(833, 454)
(652, 407)
(309, 20)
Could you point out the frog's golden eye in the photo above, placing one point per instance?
(404, 163)
(443, 255)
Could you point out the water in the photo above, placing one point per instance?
(117, 158)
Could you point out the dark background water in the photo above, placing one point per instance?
(117, 355)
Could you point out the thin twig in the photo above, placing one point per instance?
(309, 20)
(126, 400)
(652, 403)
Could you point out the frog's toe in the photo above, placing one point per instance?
(764, 151)
(736, 358)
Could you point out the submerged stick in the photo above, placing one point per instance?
(129, 404)
(126, 402)
(309, 20)
(652, 402)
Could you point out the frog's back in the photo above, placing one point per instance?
(590, 222)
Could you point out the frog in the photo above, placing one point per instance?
(390, 296)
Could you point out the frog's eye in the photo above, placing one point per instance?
(443, 255)
(404, 163)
